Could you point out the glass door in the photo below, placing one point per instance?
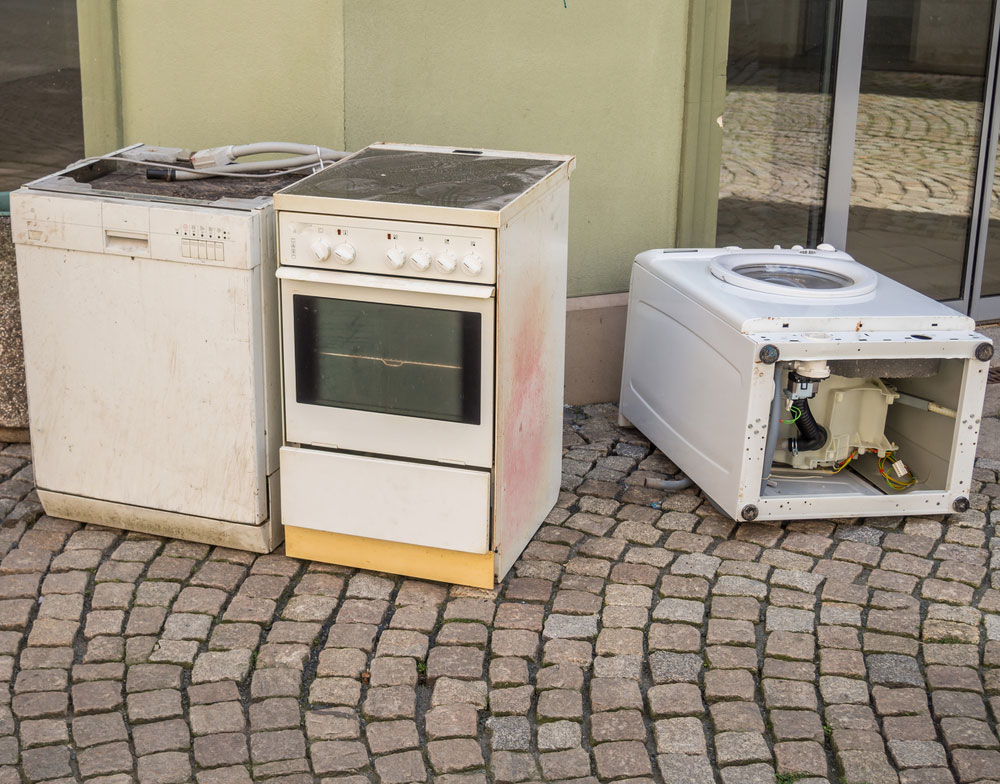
(917, 141)
(779, 97)
(388, 366)
(391, 359)
(870, 125)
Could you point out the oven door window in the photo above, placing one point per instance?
(390, 359)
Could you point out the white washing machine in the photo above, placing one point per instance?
(799, 383)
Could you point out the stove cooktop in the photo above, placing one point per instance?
(467, 180)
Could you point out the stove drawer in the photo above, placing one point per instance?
(392, 500)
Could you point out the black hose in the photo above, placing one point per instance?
(812, 435)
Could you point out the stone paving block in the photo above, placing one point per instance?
(402, 768)
(513, 733)
(338, 757)
(611, 726)
(791, 645)
(275, 746)
(105, 759)
(789, 694)
(666, 667)
(455, 755)
(394, 672)
(958, 703)
(675, 699)
(452, 720)
(621, 758)
(40, 704)
(732, 748)
(970, 733)
(153, 705)
(573, 763)
(728, 685)
(917, 753)
(837, 690)
(975, 764)
(221, 665)
(217, 717)
(732, 657)
(42, 732)
(170, 735)
(683, 735)
(514, 701)
(389, 702)
(332, 724)
(96, 697)
(909, 728)
(798, 757)
(614, 694)
(46, 763)
(458, 633)
(722, 632)
(686, 768)
(559, 704)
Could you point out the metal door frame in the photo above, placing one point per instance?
(850, 50)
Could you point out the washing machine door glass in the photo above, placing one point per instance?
(795, 275)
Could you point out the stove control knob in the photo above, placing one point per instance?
(421, 259)
(321, 249)
(473, 263)
(446, 262)
(345, 253)
(395, 257)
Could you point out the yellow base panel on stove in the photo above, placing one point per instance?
(377, 555)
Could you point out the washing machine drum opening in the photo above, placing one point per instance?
(794, 277)
(815, 277)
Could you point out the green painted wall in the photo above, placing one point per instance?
(196, 73)
(603, 81)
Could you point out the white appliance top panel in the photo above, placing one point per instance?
(887, 305)
(472, 179)
(429, 184)
(119, 179)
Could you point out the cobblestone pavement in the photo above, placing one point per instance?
(639, 637)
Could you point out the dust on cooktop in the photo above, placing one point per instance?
(465, 180)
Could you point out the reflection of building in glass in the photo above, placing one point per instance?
(41, 121)
(917, 136)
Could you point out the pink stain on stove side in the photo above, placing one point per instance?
(524, 420)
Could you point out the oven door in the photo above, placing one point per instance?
(388, 366)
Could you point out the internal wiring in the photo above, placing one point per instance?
(893, 482)
(798, 413)
(843, 463)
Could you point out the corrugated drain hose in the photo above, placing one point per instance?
(669, 485)
(812, 435)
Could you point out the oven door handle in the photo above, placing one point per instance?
(369, 281)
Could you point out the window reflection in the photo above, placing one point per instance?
(917, 144)
(41, 119)
(776, 122)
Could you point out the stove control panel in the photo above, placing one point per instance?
(416, 250)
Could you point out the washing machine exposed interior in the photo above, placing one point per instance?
(887, 427)
(798, 383)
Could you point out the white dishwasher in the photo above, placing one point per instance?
(150, 336)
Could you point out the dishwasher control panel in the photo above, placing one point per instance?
(415, 250)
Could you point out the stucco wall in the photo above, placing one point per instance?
(196, 74)
(602, 81)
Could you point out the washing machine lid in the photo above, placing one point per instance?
(809, 275)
